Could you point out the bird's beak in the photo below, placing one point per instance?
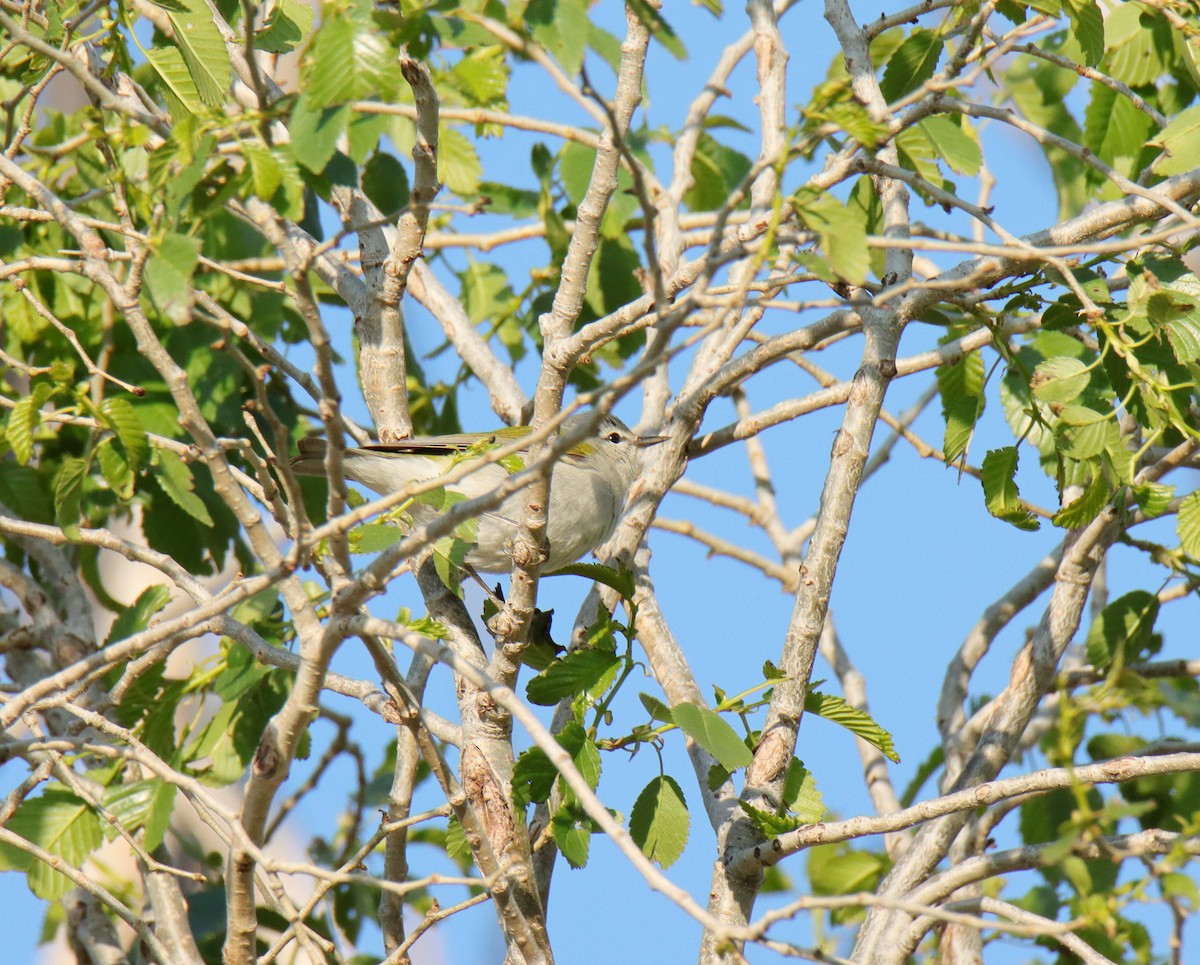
(644, 442)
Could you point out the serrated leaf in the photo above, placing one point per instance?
(142, 804)
(717, 170)
(659, 821)
(1180, 143)
(1115, 129)
(176, 480)
(1059, 379)
(169, 273)
(954, 144)
(833, 871)
(800, 793)
(349, 59)
(1086, 506)
(1087, 26)
(285, 29)
(533, 777)
(660, 30)
(136, 617)
(572, 837)
(842, 232)
(117, 471)
(385, 182)
(619, 579)
(169, 64)
(60, 823)
(913, 63)
(19, 431)
(68, 491)
(561, 26)
(583, 750)
(123, 419)
(1183, 335)
(572, 674)
(657, 709)
(707, 729)
(1153, 499)
(1000, 493)
(458, 163)
(961, 388)
(203, 50)
(315, 131)
(457, 846)
(1188, 524)
(374, 537)
(1123, 630)
(770, 824)
(858, 722)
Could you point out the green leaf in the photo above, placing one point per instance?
(169, 64)
(315, 132)
(858, 722)
(117, 471)
(1000, 489)
(136, 617)
(961, 388)
(771, 824)
(1123, 630)
(1188, 524)
(1059, 379)
(349, 59)
(1087, 26)
(68, 491)
(717, 171)
(203, 50)
(169, 273)
(1086, 506)
(572, 674)
(285, 28)
(458, 162)
(1115, 129)
(21, 423)
(619, 579)
(60, 823)
(659, 821)
(533, 777)
(1153, 499)
(656, 709)
(176, 480)
(836, 870)
(482, 77)
(1180, 142)
(842, 233)
(708, 730)
(572, 835)
(385, 182)
(142, 804)
(660, 30)
(954, 144)
(911, 65)
(561, 26)
(374, 537)
(583, 750)
(457, 845)
(800, 793)
(534, 774)
(122, 418)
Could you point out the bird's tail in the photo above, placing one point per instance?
(311, 461)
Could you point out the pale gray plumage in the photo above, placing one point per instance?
(587, 491)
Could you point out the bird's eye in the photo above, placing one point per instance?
(614, 437)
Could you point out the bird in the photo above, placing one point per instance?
(589, 484)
